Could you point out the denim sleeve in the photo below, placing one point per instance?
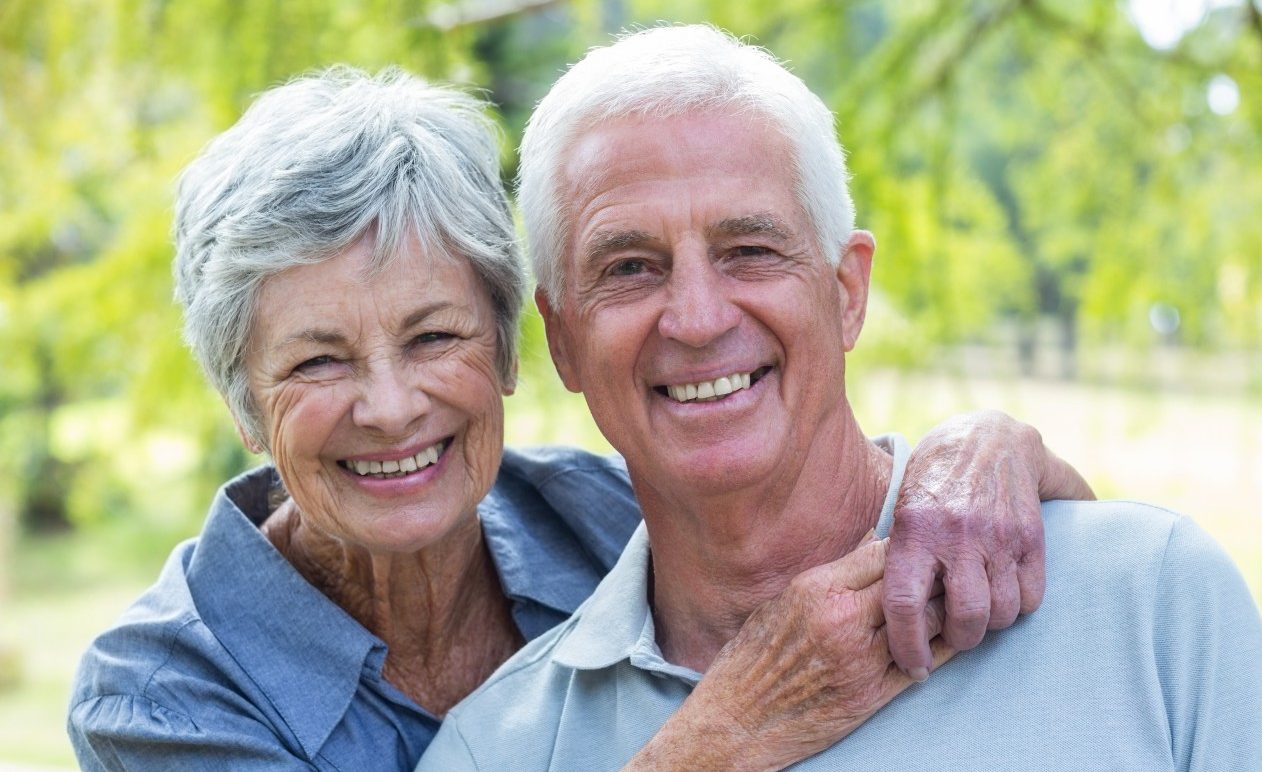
(1208, 648)
(128, 732)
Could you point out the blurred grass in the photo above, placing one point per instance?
(67, 589)
(1197, 453)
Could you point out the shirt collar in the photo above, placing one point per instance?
(616, 623)
(553, 522)
(896, 445)
(304, 652)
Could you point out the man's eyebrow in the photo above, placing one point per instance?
(603, 242)
(762, 224)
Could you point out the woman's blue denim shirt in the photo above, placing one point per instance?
(233, 661)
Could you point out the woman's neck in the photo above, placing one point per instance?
(440, 610)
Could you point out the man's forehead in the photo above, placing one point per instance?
(637, 146)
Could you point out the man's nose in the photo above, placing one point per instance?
(391, 399)
(698, 309)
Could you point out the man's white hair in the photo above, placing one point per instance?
(665, 72)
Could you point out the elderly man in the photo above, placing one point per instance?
(701, 281)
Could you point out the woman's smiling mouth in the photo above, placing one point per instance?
(397, 467)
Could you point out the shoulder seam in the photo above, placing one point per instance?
(127, 696)
(170, 652)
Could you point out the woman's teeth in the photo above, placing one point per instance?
(709, 390)
(397, 467)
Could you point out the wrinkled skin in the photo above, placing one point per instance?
(813, 664)
(968, 515)
(805, 696)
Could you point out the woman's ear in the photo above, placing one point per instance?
(510, 383)
(250, 443)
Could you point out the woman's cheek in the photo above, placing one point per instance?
(303, 417)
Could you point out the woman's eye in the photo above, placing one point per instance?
(315, 362)
(432, 337)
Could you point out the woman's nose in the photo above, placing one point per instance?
(391, 400)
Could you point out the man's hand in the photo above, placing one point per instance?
(968, 514)
(806, 669)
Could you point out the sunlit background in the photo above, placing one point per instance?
(1067, 197)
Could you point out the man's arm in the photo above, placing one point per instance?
(968, 516)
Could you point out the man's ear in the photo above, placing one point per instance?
(854, 274)
(554, 330)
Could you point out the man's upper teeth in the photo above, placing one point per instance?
(718, 387)
(409, 464)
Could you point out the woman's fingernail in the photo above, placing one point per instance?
(918, 674)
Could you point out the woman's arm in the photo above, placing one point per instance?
(968, 515)
(807, 668)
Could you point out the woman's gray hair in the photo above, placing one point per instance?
(663, 72)
(312, 167)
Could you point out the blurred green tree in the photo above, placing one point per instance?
(1021, 161)
(102, 412)
(1025, 159)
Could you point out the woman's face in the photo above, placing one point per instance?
(380, 395)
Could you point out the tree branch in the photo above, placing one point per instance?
(465, 13)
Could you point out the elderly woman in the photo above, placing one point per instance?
(350, 281)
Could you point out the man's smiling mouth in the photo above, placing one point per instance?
(709, 391)
(396, 467)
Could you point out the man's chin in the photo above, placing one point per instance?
(715, 469)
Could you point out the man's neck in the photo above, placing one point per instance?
(717, 557)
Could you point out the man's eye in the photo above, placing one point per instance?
(749, 250)
(628, 268)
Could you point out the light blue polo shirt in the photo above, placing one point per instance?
(1145, 655)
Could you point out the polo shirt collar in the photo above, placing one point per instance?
(896, 445)
(304, 652)
(616, 623)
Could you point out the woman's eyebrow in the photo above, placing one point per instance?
(424, 312)
(330, 337)
(312, 335)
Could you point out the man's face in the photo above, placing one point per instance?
(700, 319)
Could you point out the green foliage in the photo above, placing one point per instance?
(1018, 160)
(102, 412)
(1025, 158)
